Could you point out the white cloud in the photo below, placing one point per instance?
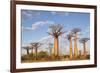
(27, 29)
(53, 12)
(37, 25)
(41, 23)
(26, 14)
(60, 13)
(66, 13)
(45, 38)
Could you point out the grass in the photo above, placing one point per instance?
(44, 57)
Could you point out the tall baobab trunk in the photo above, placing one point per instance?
(56, 48)
(36, 53)
(55, 31)
(36, 45)
(50, 52)
(50, 49)
(84, 44)
(28, 51)
(84, 41)
(75, 46)
(75, 31)
(71, 51)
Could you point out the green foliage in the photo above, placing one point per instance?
(42, 54)
(31, 56)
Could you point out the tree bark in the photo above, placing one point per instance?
(84, 44)
(27, 51)
(56, 48)
(36, 53)
(71, 51)
(75, 46)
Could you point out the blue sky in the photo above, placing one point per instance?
(35, 24)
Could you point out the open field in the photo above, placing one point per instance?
(45, 58)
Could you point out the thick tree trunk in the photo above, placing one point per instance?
(71, 51)
(84, 44)
(52, 51)
(56, 48)
(75, 47)
(36, 53)
(80, 53)
(28, 51)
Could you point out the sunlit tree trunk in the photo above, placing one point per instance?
(75, 47)
(52, 51)
(80, 53)
(36, 53)
(71, 51)
(56, 48)
(84, 44)
(36, 45)
(28, 51)
(56, 31)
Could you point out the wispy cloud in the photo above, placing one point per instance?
(26, 28)
(60, 13)
(41, 23)
(45, 39)
(37, 25)
(26, 14)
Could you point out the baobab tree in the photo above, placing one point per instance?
(80, 53)
(84, 41)
(27, 49)
(50, 48)
(75, 31)
(55, 30)
(69, 37)
(35, 46)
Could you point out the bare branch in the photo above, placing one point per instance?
(55, 30)
(36, 44)
(83, 40)
(75, 30)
